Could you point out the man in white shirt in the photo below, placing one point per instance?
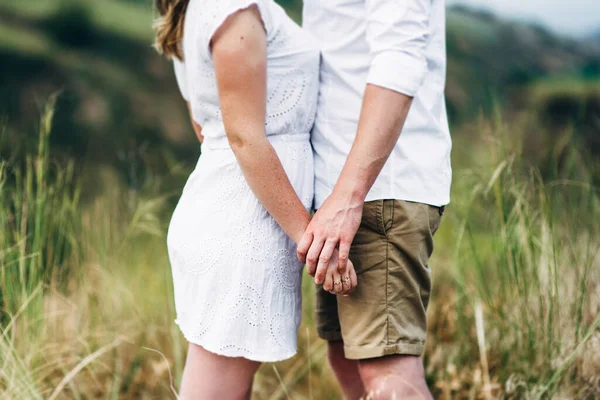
(382, 163)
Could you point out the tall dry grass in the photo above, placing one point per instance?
(520, 317)
(87, 308)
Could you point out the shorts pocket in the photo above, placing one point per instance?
(372, 218)
(387, 216)
(435, 218)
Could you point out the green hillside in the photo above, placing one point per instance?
(488, 58)
(115, 92)
(119, 103)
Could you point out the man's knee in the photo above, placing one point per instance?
(397, 375)
(393, 364)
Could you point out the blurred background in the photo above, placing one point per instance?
(96, 145)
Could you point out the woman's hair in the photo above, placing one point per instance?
(169, 27)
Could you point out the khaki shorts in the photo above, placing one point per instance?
(387, 314)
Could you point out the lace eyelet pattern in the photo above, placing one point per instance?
(235, 273)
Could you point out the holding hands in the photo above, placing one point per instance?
(325, 245)
(336, 282)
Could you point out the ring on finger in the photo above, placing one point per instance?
(347, 280)
(337, 283)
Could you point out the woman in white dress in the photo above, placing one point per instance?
(250, 77)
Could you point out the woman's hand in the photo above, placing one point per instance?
(337, 282)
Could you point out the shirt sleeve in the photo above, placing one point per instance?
(180, 75)
(223, 9)
(397, 34)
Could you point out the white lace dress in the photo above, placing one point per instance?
(235, 272)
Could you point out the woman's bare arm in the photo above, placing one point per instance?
(239, 52)
(197, 128)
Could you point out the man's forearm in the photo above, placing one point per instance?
(382, 118)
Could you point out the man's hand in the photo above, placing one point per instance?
(332, 227)
(336, 222)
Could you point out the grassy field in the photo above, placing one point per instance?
(86, 294)
(86, 193)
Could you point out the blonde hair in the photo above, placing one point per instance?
(169, 27)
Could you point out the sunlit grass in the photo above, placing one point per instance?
(87, 309)
(567, 85)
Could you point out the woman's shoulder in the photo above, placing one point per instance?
(206, 17)
(215, 12)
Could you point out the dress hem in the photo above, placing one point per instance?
(237, 354)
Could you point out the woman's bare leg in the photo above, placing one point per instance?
(208, 376)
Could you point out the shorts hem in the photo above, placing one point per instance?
(401, 348)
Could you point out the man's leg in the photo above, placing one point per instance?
(346, 371)
(384, 322)
(328, 326)
(395, 377)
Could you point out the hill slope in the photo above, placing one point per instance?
(120, 105)
(117, 94)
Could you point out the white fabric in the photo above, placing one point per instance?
(398, 45)
(235, 272)
(292, 57)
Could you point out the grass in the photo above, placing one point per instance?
(85, 288)
(527, 254)
(86, 297)
(567, 85)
